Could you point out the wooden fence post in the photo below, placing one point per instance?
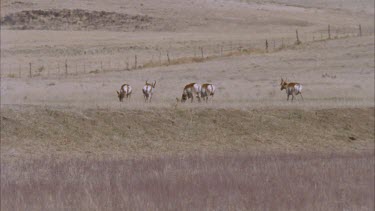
(267, 46)
(329, 31)
(30, 75)
(169, 60)
(298, 41)
(66, 68)
(159, 57)
(360, 30)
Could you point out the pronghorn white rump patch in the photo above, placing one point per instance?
(125, 91)
(148, 91)
(207, 90)
(191, 90)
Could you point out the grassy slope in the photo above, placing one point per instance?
(37, 131)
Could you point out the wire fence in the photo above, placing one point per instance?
(85, 61)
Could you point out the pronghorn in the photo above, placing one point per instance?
(125, 91)
(207, 90)
(189, 91)
(291, 88)
(148, 90)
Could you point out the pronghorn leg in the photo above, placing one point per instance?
(287, 99)
(301, 96)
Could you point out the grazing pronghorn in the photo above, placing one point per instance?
(148, 90)
(207, 90)
(291, 88)
(189, 91)
(125, 91)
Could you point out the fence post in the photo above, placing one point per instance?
(329, 31)
(267, 46)
(169, 60)
(66, 68)
(360, 30)
(298, 41)
(159, 57)
(30, 75)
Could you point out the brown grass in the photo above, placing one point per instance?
(36, 131)
(196, 182)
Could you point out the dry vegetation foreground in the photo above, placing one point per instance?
(197, 182)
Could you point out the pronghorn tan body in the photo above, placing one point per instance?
(207, 90)
(125, 91)
(291, 88)
(189, 91)
(148, 91)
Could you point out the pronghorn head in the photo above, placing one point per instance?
(120, 95)
(183, 97)
(283, 84)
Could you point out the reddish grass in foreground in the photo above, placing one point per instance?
(202, 182)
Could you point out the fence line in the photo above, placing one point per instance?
(176, 56)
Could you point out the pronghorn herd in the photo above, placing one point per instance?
(203, 91)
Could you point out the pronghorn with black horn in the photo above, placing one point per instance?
(125, 91)
(189, 91)
(291, 88)
(207, 90)
(148, 90)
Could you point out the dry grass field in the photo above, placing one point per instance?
(67, 143)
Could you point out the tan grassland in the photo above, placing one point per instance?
(67, 143)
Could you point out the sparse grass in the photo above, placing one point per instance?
(194, 182)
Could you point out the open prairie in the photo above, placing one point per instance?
(68, 143)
